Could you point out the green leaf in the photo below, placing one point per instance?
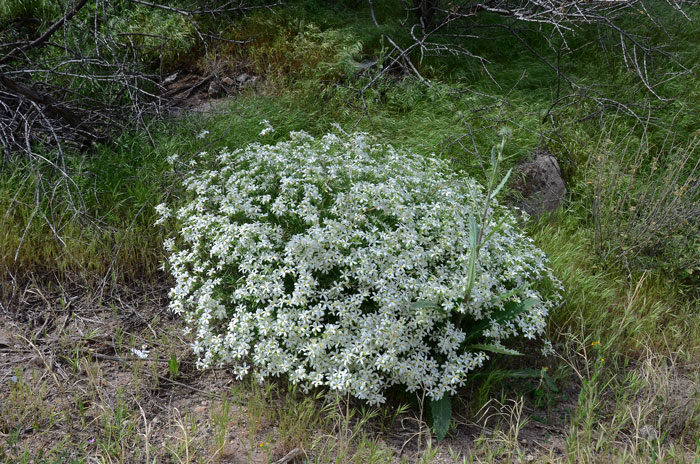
(423, 304)
(173, 367)
(536, 374)
(550, 382)
(494, 157)
(511, 310)
(495, 349)
(473, 255)
(508, 295)
(503, 182)
(441, 413)
(495, 229)
(524, 374)
(473, 232)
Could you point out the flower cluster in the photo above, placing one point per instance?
(313, 258)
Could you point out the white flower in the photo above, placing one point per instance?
(314, 258)
(142, 353)
(163, 212)
(547, 349)
(267, 127)
(203, 134)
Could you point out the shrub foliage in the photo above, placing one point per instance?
(344, 263)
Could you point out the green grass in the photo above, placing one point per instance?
(18, 10)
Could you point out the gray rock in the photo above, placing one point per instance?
(5, 337)
(366, 64)
(540, 184)
(214, 90)
(250, 82)
(227, 81)
(171, 78)
(246, 80)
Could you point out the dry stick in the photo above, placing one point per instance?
(148, 428)
(126, 360)
(165, 379)
(121, 77)
(411, 435)
(221, 9)
(164, 7)
(291, 456)
(403, 54)
(43, 360)
(48, 102)
(407, 59)
(394, 60)
(563, 17)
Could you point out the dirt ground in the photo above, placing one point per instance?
(111, 379)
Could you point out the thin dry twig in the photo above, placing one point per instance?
(292, 456)
(440, 28)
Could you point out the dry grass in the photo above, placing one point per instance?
(645, 201)
(75, 390)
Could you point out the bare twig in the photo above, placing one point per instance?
(293, 455)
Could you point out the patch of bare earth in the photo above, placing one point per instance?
(112, 379)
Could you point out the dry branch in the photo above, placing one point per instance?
(97, 83)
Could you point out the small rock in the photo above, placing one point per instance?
(170, 79)
(5, 337)
(367, 64)
(243, 78)
(250, 82)
(227, 81)
(540, 184)
(214, 89)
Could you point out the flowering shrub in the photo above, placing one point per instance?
(345, 264)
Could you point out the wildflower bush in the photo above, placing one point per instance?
(348, 264)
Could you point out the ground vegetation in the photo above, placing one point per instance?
(97, 97)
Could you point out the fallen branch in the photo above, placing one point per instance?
(50, 103)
